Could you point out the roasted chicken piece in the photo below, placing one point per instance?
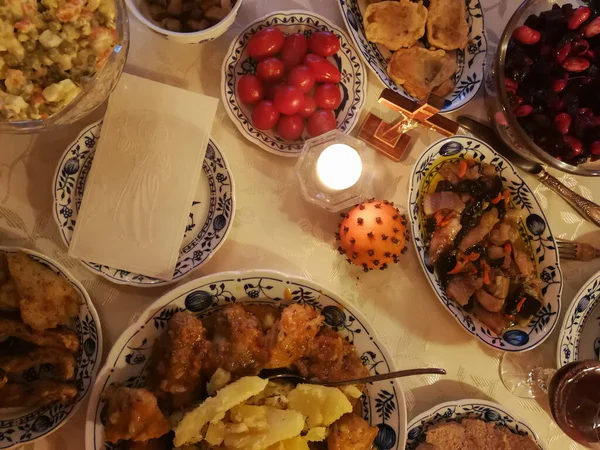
(177, 359)
(486, 223)
(443, 236)
(290, 338)
(239, 344)
(133, 414)
(62, 360)
(36, 393)
(351, 432)
(46, 298)
(59, 338)
(9, 297)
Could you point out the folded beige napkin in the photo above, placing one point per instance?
(144, 176)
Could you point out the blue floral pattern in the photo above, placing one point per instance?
(534, 229)
(579, 335)
(237, 63)
(470, 63)
(465, 409)
(384, 406)
(27, 425)
(204, 238)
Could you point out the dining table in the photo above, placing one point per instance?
(275, 228)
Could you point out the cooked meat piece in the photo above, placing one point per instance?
(59, 338)
(3, 378)
(36, 393)
(177, 359)
(488, 301)
(451, 171)
(133, 414)
(495, 251)
(239, 344)
(437, 201)
(443, 239)
(9, 297)
(496, 321)
(447, 25)
(351, 432)
(4, 272)
(331, 358)
(395, 24)
(62, 360)
(476, 235)
(290, 338)
(522, 258)
(462, 286)
(505, 231)
(47, 299)
(499, 286)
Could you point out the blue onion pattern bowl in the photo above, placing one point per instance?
(24, 425)
(238, 63)
(580, 332)
(534, 227)
(209, 221)
(457, 410)
(470, 62)
(384, 407)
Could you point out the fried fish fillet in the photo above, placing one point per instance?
(36, 393)
(395, 24)
(447, 26)
(47, 299)
(62, 361)
(9, 297)
(420, 70)
(59, 338)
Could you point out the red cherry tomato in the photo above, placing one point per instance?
(249, 89)
(288, 100)
(265, 115)
(270, 89)
(270, 69)
(323, 43)
(265, 42)
(294, 49)
(321, 122)
(290, 127)
(302, 77)
(309, 107)
(328, 96)
(323, 70)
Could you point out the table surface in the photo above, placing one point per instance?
(275, 229)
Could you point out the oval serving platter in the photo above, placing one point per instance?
(457, 410)
(470, 62)
(385, 406)
(24, 425)
(210, 218)
(238, 63)
(533, 224)
(580, 332)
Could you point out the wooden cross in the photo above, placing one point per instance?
(391, 138)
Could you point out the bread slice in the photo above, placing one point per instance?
(449, 436)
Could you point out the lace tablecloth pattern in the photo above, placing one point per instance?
(275, 229)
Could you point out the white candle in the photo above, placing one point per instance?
(339, 167)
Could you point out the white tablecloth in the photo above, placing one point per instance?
(275, 229)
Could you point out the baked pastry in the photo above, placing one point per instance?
(447, 26)
(395, 24)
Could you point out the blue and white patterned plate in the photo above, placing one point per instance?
(580, 333)
(534, 228)
(457, 410)
(127, 362)
(21, 425)
(470, 62)
(209, 222)
(238, 63)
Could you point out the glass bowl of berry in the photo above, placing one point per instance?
(543, 96)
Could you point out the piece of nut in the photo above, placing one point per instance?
(175, 7)
(198, 25)
(157, 12)
(172, 24)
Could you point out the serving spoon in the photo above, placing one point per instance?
(295, 377)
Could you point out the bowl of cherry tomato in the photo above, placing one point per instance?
(291, 76)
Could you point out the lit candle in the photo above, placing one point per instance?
(339, 167)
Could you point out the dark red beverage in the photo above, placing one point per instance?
(575, 401)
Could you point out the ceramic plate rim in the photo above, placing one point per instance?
(414, 229)
(94, 314)
(291, 12)
(135, 283)
(151, 309)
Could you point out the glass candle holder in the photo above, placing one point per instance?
(335, 171)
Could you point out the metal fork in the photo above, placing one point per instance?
(577, 250)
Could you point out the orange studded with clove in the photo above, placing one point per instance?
(372, 235)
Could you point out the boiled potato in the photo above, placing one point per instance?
(316, 434)
(320, 404)
(219, 380)
(252, 416)
(215, 433)
(296, 443)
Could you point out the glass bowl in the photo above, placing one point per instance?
(499, 110)
(93, 94)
